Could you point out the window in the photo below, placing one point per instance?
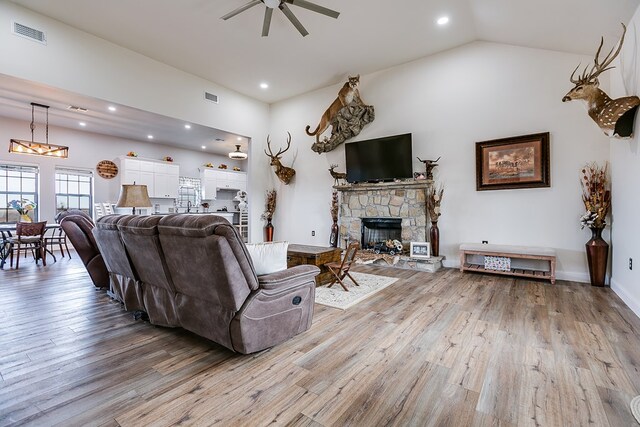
(189, 191)
(74, 190)
(16, 183)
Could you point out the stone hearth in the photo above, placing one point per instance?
(404, 200)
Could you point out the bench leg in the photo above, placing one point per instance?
(463, 258)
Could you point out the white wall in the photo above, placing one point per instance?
(625, 177)
(86, 149)
(449, 101)
(82, 63)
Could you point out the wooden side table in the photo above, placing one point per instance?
(314, 255)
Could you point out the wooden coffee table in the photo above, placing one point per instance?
(314, 255)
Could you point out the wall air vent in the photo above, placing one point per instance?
(77, 109)
(30, 33)
(211, 97)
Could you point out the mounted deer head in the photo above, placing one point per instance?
(337, 175)
(614, 116)
(284, 173)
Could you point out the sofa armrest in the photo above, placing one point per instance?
(290, 277)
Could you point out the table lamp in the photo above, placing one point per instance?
(133, 196)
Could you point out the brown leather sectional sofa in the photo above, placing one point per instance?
(194, 271)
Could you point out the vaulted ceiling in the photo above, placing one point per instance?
(369, 35)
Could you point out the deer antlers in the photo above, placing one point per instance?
(598, 68)
(280, 152)
(285, 174)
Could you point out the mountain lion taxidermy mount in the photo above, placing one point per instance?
(347, 115)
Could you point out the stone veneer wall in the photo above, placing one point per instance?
(407, 202)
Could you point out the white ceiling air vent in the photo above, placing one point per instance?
(211, 97)
(29, 33)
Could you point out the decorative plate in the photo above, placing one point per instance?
(107, 169)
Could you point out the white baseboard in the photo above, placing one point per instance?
(628, 299)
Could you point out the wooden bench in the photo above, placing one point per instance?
(518, 252)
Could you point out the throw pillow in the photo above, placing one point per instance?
(268, 257)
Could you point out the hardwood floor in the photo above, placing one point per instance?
(444, 349)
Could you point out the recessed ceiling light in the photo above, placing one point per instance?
(204, 147)
(239, 138)
(111, 108)
(187, 126)
(83, 124)
(443, 20)
(264, 85)
(150, 136)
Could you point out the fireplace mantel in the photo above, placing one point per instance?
(381, 186)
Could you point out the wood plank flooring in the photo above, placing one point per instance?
(444, 349)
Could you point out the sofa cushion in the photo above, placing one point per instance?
(269, 257)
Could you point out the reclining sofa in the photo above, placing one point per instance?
(194, 271)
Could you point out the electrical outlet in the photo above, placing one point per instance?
(630, 263)
(313, 233)
(485, 242)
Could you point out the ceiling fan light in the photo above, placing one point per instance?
(272, 4)
(237, 155)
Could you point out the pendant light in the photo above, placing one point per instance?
(21, 146)
(237, 155)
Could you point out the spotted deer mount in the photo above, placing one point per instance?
(284, 174)
(615, 117)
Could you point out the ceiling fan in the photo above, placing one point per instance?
(283, 6)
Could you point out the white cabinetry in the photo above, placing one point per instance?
(161, 179)
(213, 180)
(165, 181)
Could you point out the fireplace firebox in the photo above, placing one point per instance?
(376, 232)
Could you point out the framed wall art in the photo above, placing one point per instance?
(516, 162)
(420, 250)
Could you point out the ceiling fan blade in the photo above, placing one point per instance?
(314, 7)
(287, 12)
(267, 21)
(241, 9)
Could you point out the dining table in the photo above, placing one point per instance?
(6, 232)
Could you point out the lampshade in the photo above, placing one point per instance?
(133, 196)
(237, 155)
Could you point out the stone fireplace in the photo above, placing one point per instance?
(403, 201)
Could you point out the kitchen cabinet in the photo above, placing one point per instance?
(160, 178)
(214, 180)
(165, 181)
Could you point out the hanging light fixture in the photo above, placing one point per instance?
(237, 155)
(21, 146)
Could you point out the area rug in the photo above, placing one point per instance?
(339, 298)
(635, 408)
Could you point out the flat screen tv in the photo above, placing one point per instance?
(380, 159)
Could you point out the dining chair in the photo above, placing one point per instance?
(29, 237)
(59, 238)
(340, 270)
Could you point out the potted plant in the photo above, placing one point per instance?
(596, 197)
(23, 206)
(270, 209)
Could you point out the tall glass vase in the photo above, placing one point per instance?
(597, 256)
(268, 232)
(25, 218)
(434, 238)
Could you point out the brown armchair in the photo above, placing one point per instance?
(78, 230)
